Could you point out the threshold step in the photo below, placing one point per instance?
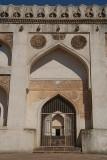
(57, 149)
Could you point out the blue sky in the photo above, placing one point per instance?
(53, 2)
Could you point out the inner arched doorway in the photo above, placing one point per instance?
(58, 123)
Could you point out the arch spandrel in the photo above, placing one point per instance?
(5, 54)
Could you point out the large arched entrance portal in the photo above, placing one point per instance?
(58, 123)
(58, 71)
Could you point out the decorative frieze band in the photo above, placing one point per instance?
(53, 21)
(60, 86)
(53, 14)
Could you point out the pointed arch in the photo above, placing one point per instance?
(61, 98)
(64, 48)
(6, 54)
(58, 119)
(3, 106)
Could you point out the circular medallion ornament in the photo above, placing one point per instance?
(38, 41)
(78, 42)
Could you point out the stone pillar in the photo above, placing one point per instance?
(99, 78)
(95, 140)
(17, 98)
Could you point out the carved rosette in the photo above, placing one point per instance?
(8, 38)
(78, 42)
(38, 41)
(58, 36)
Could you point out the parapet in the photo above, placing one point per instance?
(48, 14)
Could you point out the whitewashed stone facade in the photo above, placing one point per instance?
(49, 51)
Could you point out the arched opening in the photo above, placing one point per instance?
(5, 55)
(3, 107)
(58, 65)
(58, 123)
(60, 71)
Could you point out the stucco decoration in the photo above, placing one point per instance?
(78, 42)
(102, 14)
(28, 15)
(53, 15)
(4, 82)
(62, 86)
(38, 41)
(73, 95)
(4, 14)
(4, 79)
(58, 36)
(74, 91)
(89, 13)
(77, 14)
(42, 94)
(8, 38)
(16, 14)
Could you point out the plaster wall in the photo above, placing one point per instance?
(17, 97)
(94, 141)
(15, 141)
(99, 78)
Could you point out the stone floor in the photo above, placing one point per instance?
(52, 156)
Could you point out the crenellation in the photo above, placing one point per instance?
(68, 12)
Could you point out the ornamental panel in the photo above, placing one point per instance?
(78, 42)
(38, 41)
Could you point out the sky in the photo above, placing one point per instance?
(53, 2)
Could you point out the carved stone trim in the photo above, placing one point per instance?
(73, 95)
(5, 79)
(8, 38)
(38, 41)
(78, 42)
(58, 36)
(53, 21)
(62, 86)
(42, 94)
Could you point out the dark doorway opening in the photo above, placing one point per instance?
(57, 132)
